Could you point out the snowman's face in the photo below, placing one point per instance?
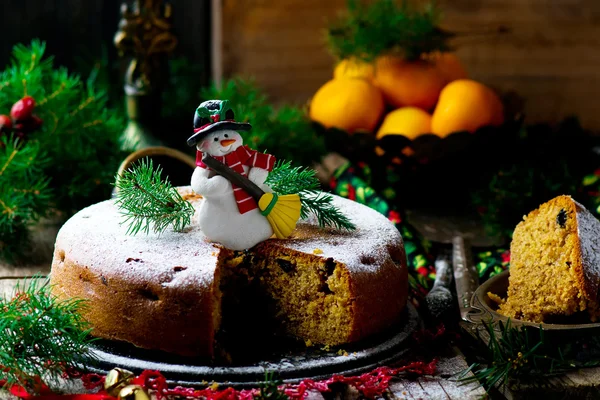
(220, 143)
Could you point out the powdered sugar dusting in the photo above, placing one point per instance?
(95, 237)
(364, 249)
(588, 229)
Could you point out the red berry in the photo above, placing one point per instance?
(5, 122)
(23, 108)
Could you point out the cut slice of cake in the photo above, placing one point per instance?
(555, 263)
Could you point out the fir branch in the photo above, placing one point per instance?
(321, 205)
(25, 196)
(69, 161)
(269, 388)
(150, 203)
(286, 130)
(286, 179)
(383, 27)
(40, 336)
(519, 352)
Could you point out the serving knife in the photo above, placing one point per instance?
(466, 277)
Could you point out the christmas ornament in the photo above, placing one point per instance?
(116, 380)
(239, 221)
(22, 109)
(133, 392)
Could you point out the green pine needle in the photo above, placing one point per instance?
(65, 165)
(286, 130)
(40, 336)
(524, 352)
(387, 27)
(269, 388)
(150, 203)
(25, 194)
(285, 179)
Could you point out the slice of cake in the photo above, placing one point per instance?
(555, 263)
(178, 292)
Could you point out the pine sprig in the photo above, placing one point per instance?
(40, 336)
(384, 27)
(150, 203)
(286, 179)
(285, 131)
(269, 388)
(523, 352)
(65, 165)
(24, 192)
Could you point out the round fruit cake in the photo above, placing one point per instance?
(178, 292)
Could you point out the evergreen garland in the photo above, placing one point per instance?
(285, 131)
(69, 161)
(387, 27)
(40, 337)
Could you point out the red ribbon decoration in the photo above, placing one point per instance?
(371, 385)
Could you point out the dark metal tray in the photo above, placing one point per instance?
(293, 366)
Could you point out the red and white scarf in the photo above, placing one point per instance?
(236, 161)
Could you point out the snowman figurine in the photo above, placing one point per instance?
(228, 215)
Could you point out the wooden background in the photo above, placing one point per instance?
(550, 56)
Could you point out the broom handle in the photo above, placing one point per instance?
(232, 176)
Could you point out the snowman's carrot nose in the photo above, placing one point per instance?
(227, 142)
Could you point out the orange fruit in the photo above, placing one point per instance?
(449, 66)
(466, 105)
(348, 104)
(353, 68)
(408, 83)
(407, 121)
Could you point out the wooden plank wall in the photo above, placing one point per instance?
(550, 56)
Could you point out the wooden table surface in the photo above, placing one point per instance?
(441, 386)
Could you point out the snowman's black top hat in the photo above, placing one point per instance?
(212, 116)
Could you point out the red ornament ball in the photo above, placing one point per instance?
(23, 108)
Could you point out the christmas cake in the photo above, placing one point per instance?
(555, 263)
(178, 292)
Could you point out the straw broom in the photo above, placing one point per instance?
(282, 212)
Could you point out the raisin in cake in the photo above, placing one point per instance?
(555, 263)
(169, 292)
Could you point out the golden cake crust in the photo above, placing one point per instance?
(162, 291)
(555, 263)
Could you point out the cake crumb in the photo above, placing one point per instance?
(308, 343)
(191, 196)
(214, 386)
(317, 251)
(342, 352)
(495, 298)
(326, 348)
